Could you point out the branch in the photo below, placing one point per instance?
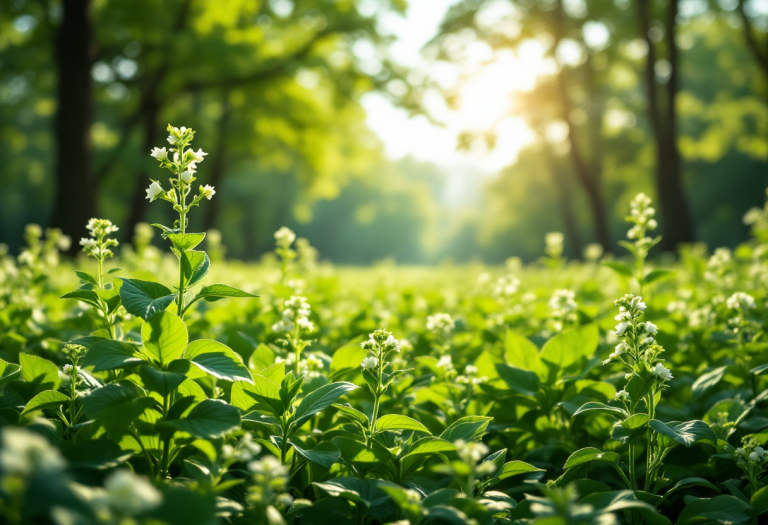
(749, 35)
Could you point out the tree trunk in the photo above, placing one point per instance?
(139, 201)
(75, 200)
(676, 220)
(760, 55)
(219, 165)
(587, 175)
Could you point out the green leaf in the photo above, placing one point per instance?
(290, 388)
(116, 406)
(586, 455)
(720, 509)
(167, 380)
(430, 445)
(114, 270)
(353, 414)
(601, 407)
(263, 395)
(357, 453)
(145, 298)
(631, 430)
(346, 359)
(109, 354)
(708, 380)
(686, 433)
(209, 419)
(87, 277)
(568, 347)
(165, 337)
(468, 428)
(519, 380)
(657, 274)
(185, 241)
(319, 400)
(39, 374)
(96, 454)
(215, 292)
(86, 296)
(8, 372)
(262, 357)
(759, 369)
(194, 266)
(217, 360)
(325, 454)
(759, 501)
(399, 422)
(691, 482)
(513, 468)
(45, 399)
(619, 267)
(520, 352)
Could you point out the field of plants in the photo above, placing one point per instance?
(169, 386)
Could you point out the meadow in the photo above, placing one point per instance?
(147, 385)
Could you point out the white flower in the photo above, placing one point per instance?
(471, 452)
(470, 370)
(664, 373)
(207, 191)
(24, 452)
(621, 328)
(130, 494)
(623, 316)
(392, 344)
(87, 243)
(753, 456)
(187, 176)
(740, 300)
(440, 322)
(621, 395)
(159, 153)
(285, 235)
(445, 362)
(370, 362)
(650, 328)
(153, 191)
(198, 155)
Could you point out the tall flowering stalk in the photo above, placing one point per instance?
(380, 345)
(182, 162)
(642, 217)
(98, 244)
(295, 324)
(639, 353)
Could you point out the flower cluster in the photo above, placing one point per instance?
(40, 252)
(751, 458)
(506, 286)
(641, 215)
(637, 349)
(440, 324)
(553, 244)
(562, 307)
(24, 454)
(127, 494)
(593, 252)
(740, 301)
(98, 245)
(380, 344)
(266, 497)
(284, 238)
(719, 266)
(470, 377)
(295, 316)
(183, 165)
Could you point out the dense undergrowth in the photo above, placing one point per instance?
(601, 391)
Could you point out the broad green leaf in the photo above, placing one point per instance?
(8, 372)
(513, 468)
(522, 353)
(116, 406)
(263, 395)
(95, 454)
(325, 454)
(87, 277)
(165, 337)
(708, 380)
(568, 347)
(345, 360)
(585, 455)
(45, 399)
(625, 500)
(166, 380)
(357, 453)
(215, 292)
(657, 274)
(469, 428)
(759, 501)
(631, 430)
(720, 509)
(145, 298)
(262, 357)
(319, 400)
(109, 354)
(86, 296)
(39, 374)
(691, 482)
(686, 433)
(185, 241)
(275, 372)
(519, 380)
(352, 413)
(430, 445)
(194, 266)
(218, 360)
(619, 267)
(759, 369)
(209, 419)
(594, 406)
(399, 422)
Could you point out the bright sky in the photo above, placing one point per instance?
(487, 84)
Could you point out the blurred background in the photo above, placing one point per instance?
(420, 130)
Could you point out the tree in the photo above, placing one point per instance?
(677, 225)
